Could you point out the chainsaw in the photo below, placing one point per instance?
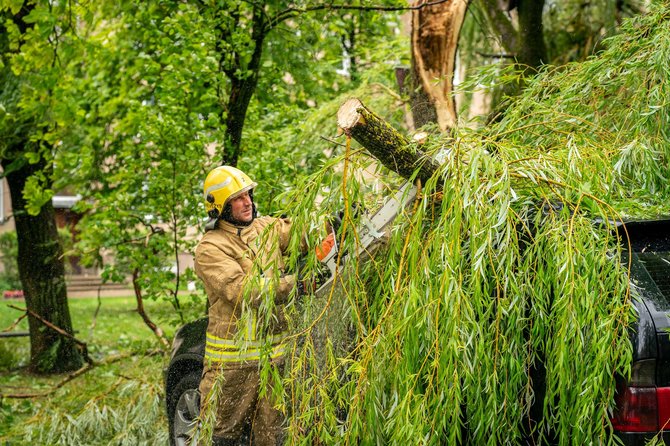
(371, 228)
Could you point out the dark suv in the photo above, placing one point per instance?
(642, 403)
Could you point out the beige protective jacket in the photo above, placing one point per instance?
(224, 260)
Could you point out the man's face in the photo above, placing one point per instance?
(242, 208)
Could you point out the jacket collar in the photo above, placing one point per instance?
(232, 229)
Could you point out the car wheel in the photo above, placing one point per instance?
(184, 409)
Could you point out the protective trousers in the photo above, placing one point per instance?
(240, 410)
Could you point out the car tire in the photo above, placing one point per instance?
(184, 408)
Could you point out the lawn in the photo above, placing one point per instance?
(118, 402)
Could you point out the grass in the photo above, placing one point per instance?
(118, 402)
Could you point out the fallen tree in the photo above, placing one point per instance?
(437, 338)
(460, 223)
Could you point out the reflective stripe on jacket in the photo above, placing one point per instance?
(229, 350)
(228, 257)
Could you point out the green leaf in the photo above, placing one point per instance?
(15, 165)
(36, 195)
(14, 6)
(32, 157)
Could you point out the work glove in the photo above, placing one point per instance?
(335, 220)
(310, 281)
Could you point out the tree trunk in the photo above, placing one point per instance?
(435, 32)
(522, 38)
(384, 142)
(525, 39)
(238, 103)
(532, 53)
(243, 82)
(42, 273)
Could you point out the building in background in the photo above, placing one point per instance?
(81, 281)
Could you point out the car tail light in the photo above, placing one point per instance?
(636, 409)
(663, 398)
(641, 406)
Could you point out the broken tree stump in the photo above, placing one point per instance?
(385, 143)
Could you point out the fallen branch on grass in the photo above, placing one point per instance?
(64, 381)
(83, 347)
(15, 323)
(75, 374)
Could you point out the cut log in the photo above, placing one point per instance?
(385, 143)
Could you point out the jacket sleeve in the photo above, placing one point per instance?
(283, 228)
(287, 282)
(225, 279)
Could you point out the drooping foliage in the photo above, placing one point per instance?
(127, 417)
(399, 352)
(502, 275)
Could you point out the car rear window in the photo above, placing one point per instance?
(657, 265)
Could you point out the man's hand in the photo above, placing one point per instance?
(308, 282)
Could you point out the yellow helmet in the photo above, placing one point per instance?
(221, 185)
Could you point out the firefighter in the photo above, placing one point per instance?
(234, 250)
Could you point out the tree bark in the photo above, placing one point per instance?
(501, 24)
(243, 82)
(532, 53)
(384, 142)
(40, 256)
(240, 96)
(42, 274)
(435, 32)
